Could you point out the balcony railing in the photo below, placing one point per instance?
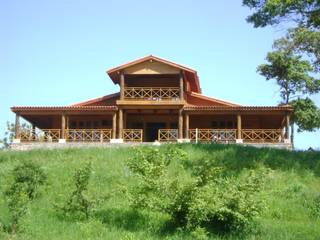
(167, 135)
(40, 135)
(213, 135)
(132, 135)
(88, 135)
(152, 94)
(262, 135)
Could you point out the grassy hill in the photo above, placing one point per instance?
(293, 184)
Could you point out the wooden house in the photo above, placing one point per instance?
(158, 101)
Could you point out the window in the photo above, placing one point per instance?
(95, 124)
(81, 124)
(73, 124)
(223, 124)
(106, 123)
(214, 124)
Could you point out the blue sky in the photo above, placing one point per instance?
(57, 52)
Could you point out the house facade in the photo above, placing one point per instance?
(158, 101)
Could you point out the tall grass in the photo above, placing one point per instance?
(293, 184)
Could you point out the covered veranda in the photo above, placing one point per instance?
(163, 124)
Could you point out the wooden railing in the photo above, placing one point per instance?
(132, 135)
(167, 135)
(88, 135)
(40, 135)
(213, 135)
(154, 93)
(262, 135)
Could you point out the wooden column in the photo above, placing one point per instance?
(17, 126)
(181, 85)
(120, 123)
(121, 85)
(186, 128)
(63, 127)
(287, 134)
(239, 127)
(114, 125)
(180, 131)
(67, 122)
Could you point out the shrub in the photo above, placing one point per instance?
(202, 199)
(78, 203)
(227, 204)
(27, 177)
(315, 207)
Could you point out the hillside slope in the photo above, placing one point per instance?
(290, 193)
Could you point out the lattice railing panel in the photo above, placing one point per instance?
(132, 135)
(155, 93)
(213, 135)
(262, 135)
(40, 135)
(167, 135)
(88, 135)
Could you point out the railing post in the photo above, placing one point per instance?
(101, 136)
(196, 135)
(239, 129)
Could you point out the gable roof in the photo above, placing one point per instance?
(189, 73)
(108, 100)
(196, 99)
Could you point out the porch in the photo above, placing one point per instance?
(163, 124)
(163, 135)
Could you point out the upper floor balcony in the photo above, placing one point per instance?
(152, 93)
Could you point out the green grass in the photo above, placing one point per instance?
(293, 183)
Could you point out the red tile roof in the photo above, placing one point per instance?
(62, 108)
(97, 100)
(240, 108)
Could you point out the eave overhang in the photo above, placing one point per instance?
(50, 110)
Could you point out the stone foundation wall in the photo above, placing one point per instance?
(47, 145)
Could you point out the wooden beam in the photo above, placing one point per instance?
(181, 86)
(63, 126)
(287, 134)
(114, 125)
(180, 131)
(239, 127)
(120, 123)
(121, 85)
(186, 129)
(17, 126)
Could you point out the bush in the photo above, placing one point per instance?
(79, 204)
(227, 204)
(202, 199)
(315, 207)
(27, 177)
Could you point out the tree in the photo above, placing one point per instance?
(272, 12)
(10, 132)
(293, 77)
(295, 63)
(304, 18)
(291, 73)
